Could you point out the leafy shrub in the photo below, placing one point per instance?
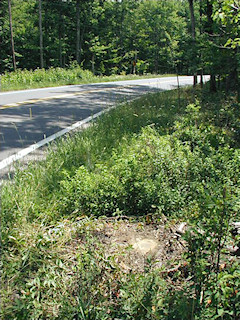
(133, 181)
(152, 173)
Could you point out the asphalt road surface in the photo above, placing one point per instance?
(28, 116)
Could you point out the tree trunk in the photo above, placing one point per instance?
(238, 82)
(60, 38)
(193, 23)
(201, 78)
(64, 53)
(192, 19)
(232, 78)
(78, 43)
(11, 31)
(213, 84)
(201, 56)
(41, 34)
(121, 33)
(209, 29)
(93, 63)
(134, 63)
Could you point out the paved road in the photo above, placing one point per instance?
(28, 116)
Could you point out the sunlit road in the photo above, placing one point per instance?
(28, 116)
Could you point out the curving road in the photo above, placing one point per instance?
(29, 116)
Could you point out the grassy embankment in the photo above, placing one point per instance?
(41, 78)
(155, 159)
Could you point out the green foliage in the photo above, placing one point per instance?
(228, 13)
(154, 172)
(113, 34)
(41, 77)
(152, 156)
(125, 37)
(133, 182)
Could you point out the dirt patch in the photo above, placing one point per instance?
(138, 245)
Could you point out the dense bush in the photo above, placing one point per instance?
(44, 77)
(155, 172)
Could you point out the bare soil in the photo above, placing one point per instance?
(140, 245)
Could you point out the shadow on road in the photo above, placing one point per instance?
(24, 125)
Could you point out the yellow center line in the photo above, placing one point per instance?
(67, 95)
(17, 104)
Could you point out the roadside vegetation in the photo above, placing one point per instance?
(160, 160)
(165, 167)
(41, 78)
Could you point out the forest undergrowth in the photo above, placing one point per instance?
(149, 165)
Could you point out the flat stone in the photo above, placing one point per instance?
(145, 245)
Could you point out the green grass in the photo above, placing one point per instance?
(157, 156)
(41, 78)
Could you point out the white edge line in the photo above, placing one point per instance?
(78, 85)
(8, 161)
(83, 84)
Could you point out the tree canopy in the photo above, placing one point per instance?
(125, 36)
